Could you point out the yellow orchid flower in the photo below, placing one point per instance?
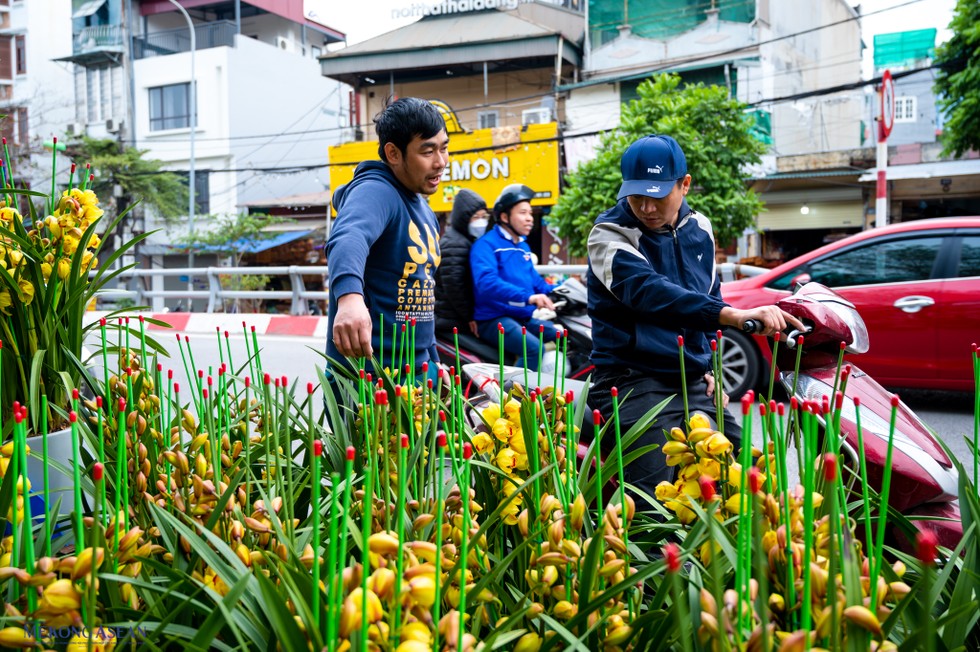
(25, 291)
(717, 445)
(665, 491)
(503, 429)
(491, 413)
(482, 442)
(506, 459)
(699, 420)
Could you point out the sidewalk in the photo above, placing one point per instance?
(204, 323)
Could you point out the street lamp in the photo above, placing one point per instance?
(191, 203)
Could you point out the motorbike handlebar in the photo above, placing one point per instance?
(752, 327)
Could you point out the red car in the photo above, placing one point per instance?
(917, 286)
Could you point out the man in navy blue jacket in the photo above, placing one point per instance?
(384, 247)
(507, 290)
(651, 279)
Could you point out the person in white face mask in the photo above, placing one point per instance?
(454, 280)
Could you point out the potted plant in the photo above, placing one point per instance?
(45, 288)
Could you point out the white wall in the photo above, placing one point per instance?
(254, 89)
(47, 88)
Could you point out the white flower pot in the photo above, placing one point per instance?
(60, 465)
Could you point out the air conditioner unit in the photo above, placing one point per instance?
(536, 116)
(284, 44)
(112, 125)
(75, 129)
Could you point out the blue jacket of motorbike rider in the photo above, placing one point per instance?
(646, 287)
(504, 277)
(385, 246)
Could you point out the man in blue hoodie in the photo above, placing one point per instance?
(384, 248)
(507, 291)
(651, 279)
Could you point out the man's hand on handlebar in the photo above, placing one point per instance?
(764, 320)
(541, 301)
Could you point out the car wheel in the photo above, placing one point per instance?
(740, 364)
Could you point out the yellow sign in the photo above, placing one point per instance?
(483, 161)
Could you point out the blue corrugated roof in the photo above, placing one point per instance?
(250, 245)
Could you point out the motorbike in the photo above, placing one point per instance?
(924, 482)
(571, 313)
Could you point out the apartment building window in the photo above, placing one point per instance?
(14, 126)
(170, 107)
(20, 45)
(6, 67)
(905, 108)
(488, 119)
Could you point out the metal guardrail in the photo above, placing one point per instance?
(208, 35)
(298, 295)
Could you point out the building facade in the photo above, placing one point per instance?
(257, 124)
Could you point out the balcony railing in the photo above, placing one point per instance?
(209, 35)
(98, 38)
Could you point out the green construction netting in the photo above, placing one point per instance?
(658, 19)
(903, 47)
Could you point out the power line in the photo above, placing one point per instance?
(293, 169)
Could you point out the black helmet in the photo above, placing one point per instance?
(515, 193)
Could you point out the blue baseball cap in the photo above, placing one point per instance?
(651, 166)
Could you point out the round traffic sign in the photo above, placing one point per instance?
(887, 120)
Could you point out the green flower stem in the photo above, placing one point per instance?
(440, 511)
(500, 359)
(95, 540)
(333, 552)
(120, 479)
(143, 344)
(77, 480)
(883, 507)
(564, 360)
(540, 354)
(779, 434)
(523, 357)
(464, 542)
(53, 202)
(28, 515)
(190, 376)
(764, 431)
(743, 569)
(381, 323)
(105, 362)
(217, 333)
(865, 498)
(687, 413)
(231, 363)
(257, 353)
(45, 463)
(367, 504)
(597, 437)
(400, 510)
(248, 352)
(834, 561)
(772, 369)
(337, 591)
(796, 382)
(807, 470)
(246, 446)
(976, 419)
(622, 482)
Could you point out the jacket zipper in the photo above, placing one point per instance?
(680, 266)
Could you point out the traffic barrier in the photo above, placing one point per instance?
(207, 323)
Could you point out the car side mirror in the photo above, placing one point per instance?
(800, 280)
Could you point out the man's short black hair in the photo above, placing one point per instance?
(404, 119)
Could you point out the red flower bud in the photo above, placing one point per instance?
(672, 555)
(309, 388)
(829, 467)
(467, 450)
(97, 471)
(614, 391)
(680, 341)
(925, 544)
(755, 480)
(707, 487)
(350, 453)
(72, 417)
(317, 448)
(894, 400)
(441, 439)
(714, 345)
(404, 441)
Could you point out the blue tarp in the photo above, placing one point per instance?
(249, 245)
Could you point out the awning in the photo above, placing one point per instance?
(926, 170)
(248, 245)
(88, 8)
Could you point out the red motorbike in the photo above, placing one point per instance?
(924, 482)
